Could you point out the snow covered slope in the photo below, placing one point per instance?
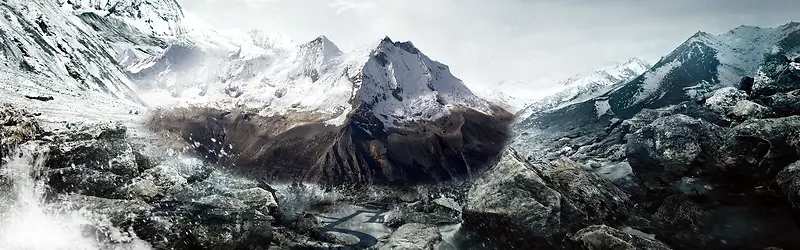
(151, 17)
(583, 87)
(38, 37)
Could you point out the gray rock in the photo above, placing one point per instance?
(789, 182)
(440, 211)
(414, 237)
(786, 103)
(671, 148)
(16, 126)
(601, 237)
(725, 99)
(118, 211)
(745, 109)
(757, 149)
(681, 220)
(586, 197)
(536, 205)
(93, 160)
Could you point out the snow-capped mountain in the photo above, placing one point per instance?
(702, 64)
(692, 72)
(394, 79)
(583, 87)
(371, 110)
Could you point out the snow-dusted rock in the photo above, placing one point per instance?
(16, 126)
(748, 109)
(413, 237)
(724, 99)
(441, 211)
(43, 39)
(600, 237)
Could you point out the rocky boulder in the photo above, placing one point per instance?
(601, 237)
(749, 110)
(94, 160)
(413, 237)
(16, 126)
(671, 148)
(757, 149)
(785, 103)
(789, 182)
(535, 206)
(762, 220)
(724, 99)
(441, 211)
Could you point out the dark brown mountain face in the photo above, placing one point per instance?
(361, 151)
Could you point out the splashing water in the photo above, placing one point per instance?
(27, 222)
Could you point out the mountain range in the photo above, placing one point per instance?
(636, 155)
(385, 113)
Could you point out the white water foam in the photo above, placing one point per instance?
(27, 222)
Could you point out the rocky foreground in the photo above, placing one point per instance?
(720, 173)
(142, 189)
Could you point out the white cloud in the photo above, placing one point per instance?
(345, 5)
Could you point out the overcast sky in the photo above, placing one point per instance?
(488, 41)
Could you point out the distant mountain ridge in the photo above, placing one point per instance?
(582, 87)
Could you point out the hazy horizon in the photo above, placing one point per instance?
(535, 42)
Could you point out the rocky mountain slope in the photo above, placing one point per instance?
(708, 133)
(699, 66)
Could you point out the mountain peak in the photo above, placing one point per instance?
(635, 60)
(323, 46)
(408, 46)
(635, 64)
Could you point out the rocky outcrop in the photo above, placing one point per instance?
(689, 161)
(16, 126)
(170, 201)
(413, 237)
(789, 182)
(600, 237)
(536, 206)
(441, 211)
(671, 148)
(361, 151)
